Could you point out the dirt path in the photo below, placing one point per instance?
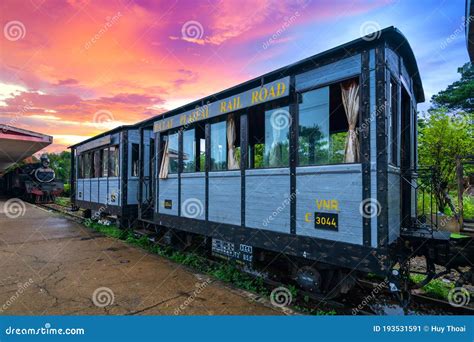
(50, 265)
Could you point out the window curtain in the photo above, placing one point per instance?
(165, 162)
(350, 100)
(232, 162)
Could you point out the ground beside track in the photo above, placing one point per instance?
(51, 265)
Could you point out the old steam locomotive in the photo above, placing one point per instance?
(34, 182)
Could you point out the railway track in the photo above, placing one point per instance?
(313, 302)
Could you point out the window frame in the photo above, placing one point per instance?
(261, 109)
(299, 93)
(394, 129)
(134, 152)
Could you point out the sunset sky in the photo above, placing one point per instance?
(72, 69)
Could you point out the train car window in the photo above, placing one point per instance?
(314, 127)
(80, 166)
(219, 146)
(189, 150)
(269, 141)
(97, 164)
(87, 165)
(105, 162)
(173, 152)
(394, 123)
(324, 124)
(201, 148)
(135, 161)
(113, 161)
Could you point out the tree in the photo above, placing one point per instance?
(441, 139)
(447, 132)
(458, 96)
(61, 164)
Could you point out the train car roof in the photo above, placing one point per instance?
(112, 131)
(391, 35)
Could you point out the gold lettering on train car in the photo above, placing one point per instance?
(183, 120)
(268, 93)
(307, 217)
(231, 105)
(327, 204)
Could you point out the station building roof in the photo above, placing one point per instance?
(17, 144)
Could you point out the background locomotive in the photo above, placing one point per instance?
(34, 182)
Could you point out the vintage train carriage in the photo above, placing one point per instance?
(105, 178)
(305, 160)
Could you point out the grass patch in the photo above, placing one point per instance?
(436, 287)
(64, 201)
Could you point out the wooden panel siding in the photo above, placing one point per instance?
(393, 204)
(267, 199)
(168, 191)
(224, 197)
(341, 183)
(341, 69)
(193, 195)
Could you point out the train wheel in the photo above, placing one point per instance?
(87, 214)
(336, 282)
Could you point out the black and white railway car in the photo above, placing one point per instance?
(105, 179)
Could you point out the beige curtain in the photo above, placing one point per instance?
(165, 162)
(350, 100)
(232, 162)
